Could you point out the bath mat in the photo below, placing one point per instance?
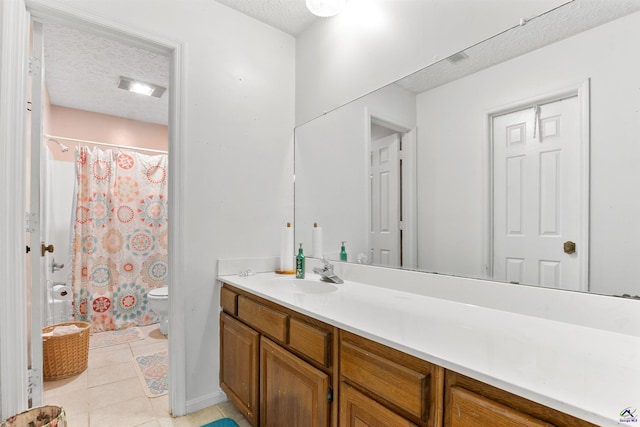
(225, 422)
(153, 372)
(105, 339)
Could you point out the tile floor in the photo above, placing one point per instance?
(109, 392)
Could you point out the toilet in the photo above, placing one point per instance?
(159, 302)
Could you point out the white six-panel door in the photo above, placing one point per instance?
(537, 195)
(385, 201)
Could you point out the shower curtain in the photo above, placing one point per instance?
(119, 237)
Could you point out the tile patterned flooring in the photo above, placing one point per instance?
(109, 392)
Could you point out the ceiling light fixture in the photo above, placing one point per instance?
(141, 87)
(325, 8)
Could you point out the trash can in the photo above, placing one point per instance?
(64, 356)
(42, 416)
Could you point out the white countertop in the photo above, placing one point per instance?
(590, 373)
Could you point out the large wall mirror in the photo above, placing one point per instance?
(515, 160)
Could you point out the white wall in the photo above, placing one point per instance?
(239, 110)
(375, 42)
(451, 180)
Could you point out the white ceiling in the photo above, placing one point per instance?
(82, 69)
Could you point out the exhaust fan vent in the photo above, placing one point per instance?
(141, 87)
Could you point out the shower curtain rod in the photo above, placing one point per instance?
(84, 141)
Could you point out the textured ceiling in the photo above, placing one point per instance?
(82, 71)
(290, 16)
(558, 24)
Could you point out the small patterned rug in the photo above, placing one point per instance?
(105, 339)
(153, 372)
(225, 422)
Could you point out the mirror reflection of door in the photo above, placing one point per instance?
(384, 175)
(537, 196)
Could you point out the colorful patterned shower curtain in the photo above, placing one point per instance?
(119, 237)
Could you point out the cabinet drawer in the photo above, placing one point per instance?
(474, 410)
(310, 341)
(470, 402)
(397, 384)
(358, 410)
(229, 301)
(265, 319)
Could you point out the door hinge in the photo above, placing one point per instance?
(31, 221)
(34, 66)
(330, 395)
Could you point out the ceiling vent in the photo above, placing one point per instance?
(141, 87)
(457, 57)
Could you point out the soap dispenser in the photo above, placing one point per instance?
(343, 252)
(300, 264)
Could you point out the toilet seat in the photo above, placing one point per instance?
(159, 293)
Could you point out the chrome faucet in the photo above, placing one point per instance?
(326, 272)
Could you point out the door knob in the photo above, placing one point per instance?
(569, 247)
(44, 249)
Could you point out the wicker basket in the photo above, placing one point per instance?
(65, 355)
(42, 416)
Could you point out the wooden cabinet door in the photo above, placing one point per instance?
(292, 392)
(358, 410)
(239, 356)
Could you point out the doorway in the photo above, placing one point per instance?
(391, 234)
(539, 188)
(173, 51)
(108, 282)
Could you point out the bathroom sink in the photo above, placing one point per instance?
(307, 286)
(313, 286)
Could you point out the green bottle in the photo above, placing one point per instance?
(300, 264)
(343, 253)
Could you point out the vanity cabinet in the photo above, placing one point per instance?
(276, 365)
(471, 403)
(282, 368)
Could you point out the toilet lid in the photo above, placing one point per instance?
(159, 292)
